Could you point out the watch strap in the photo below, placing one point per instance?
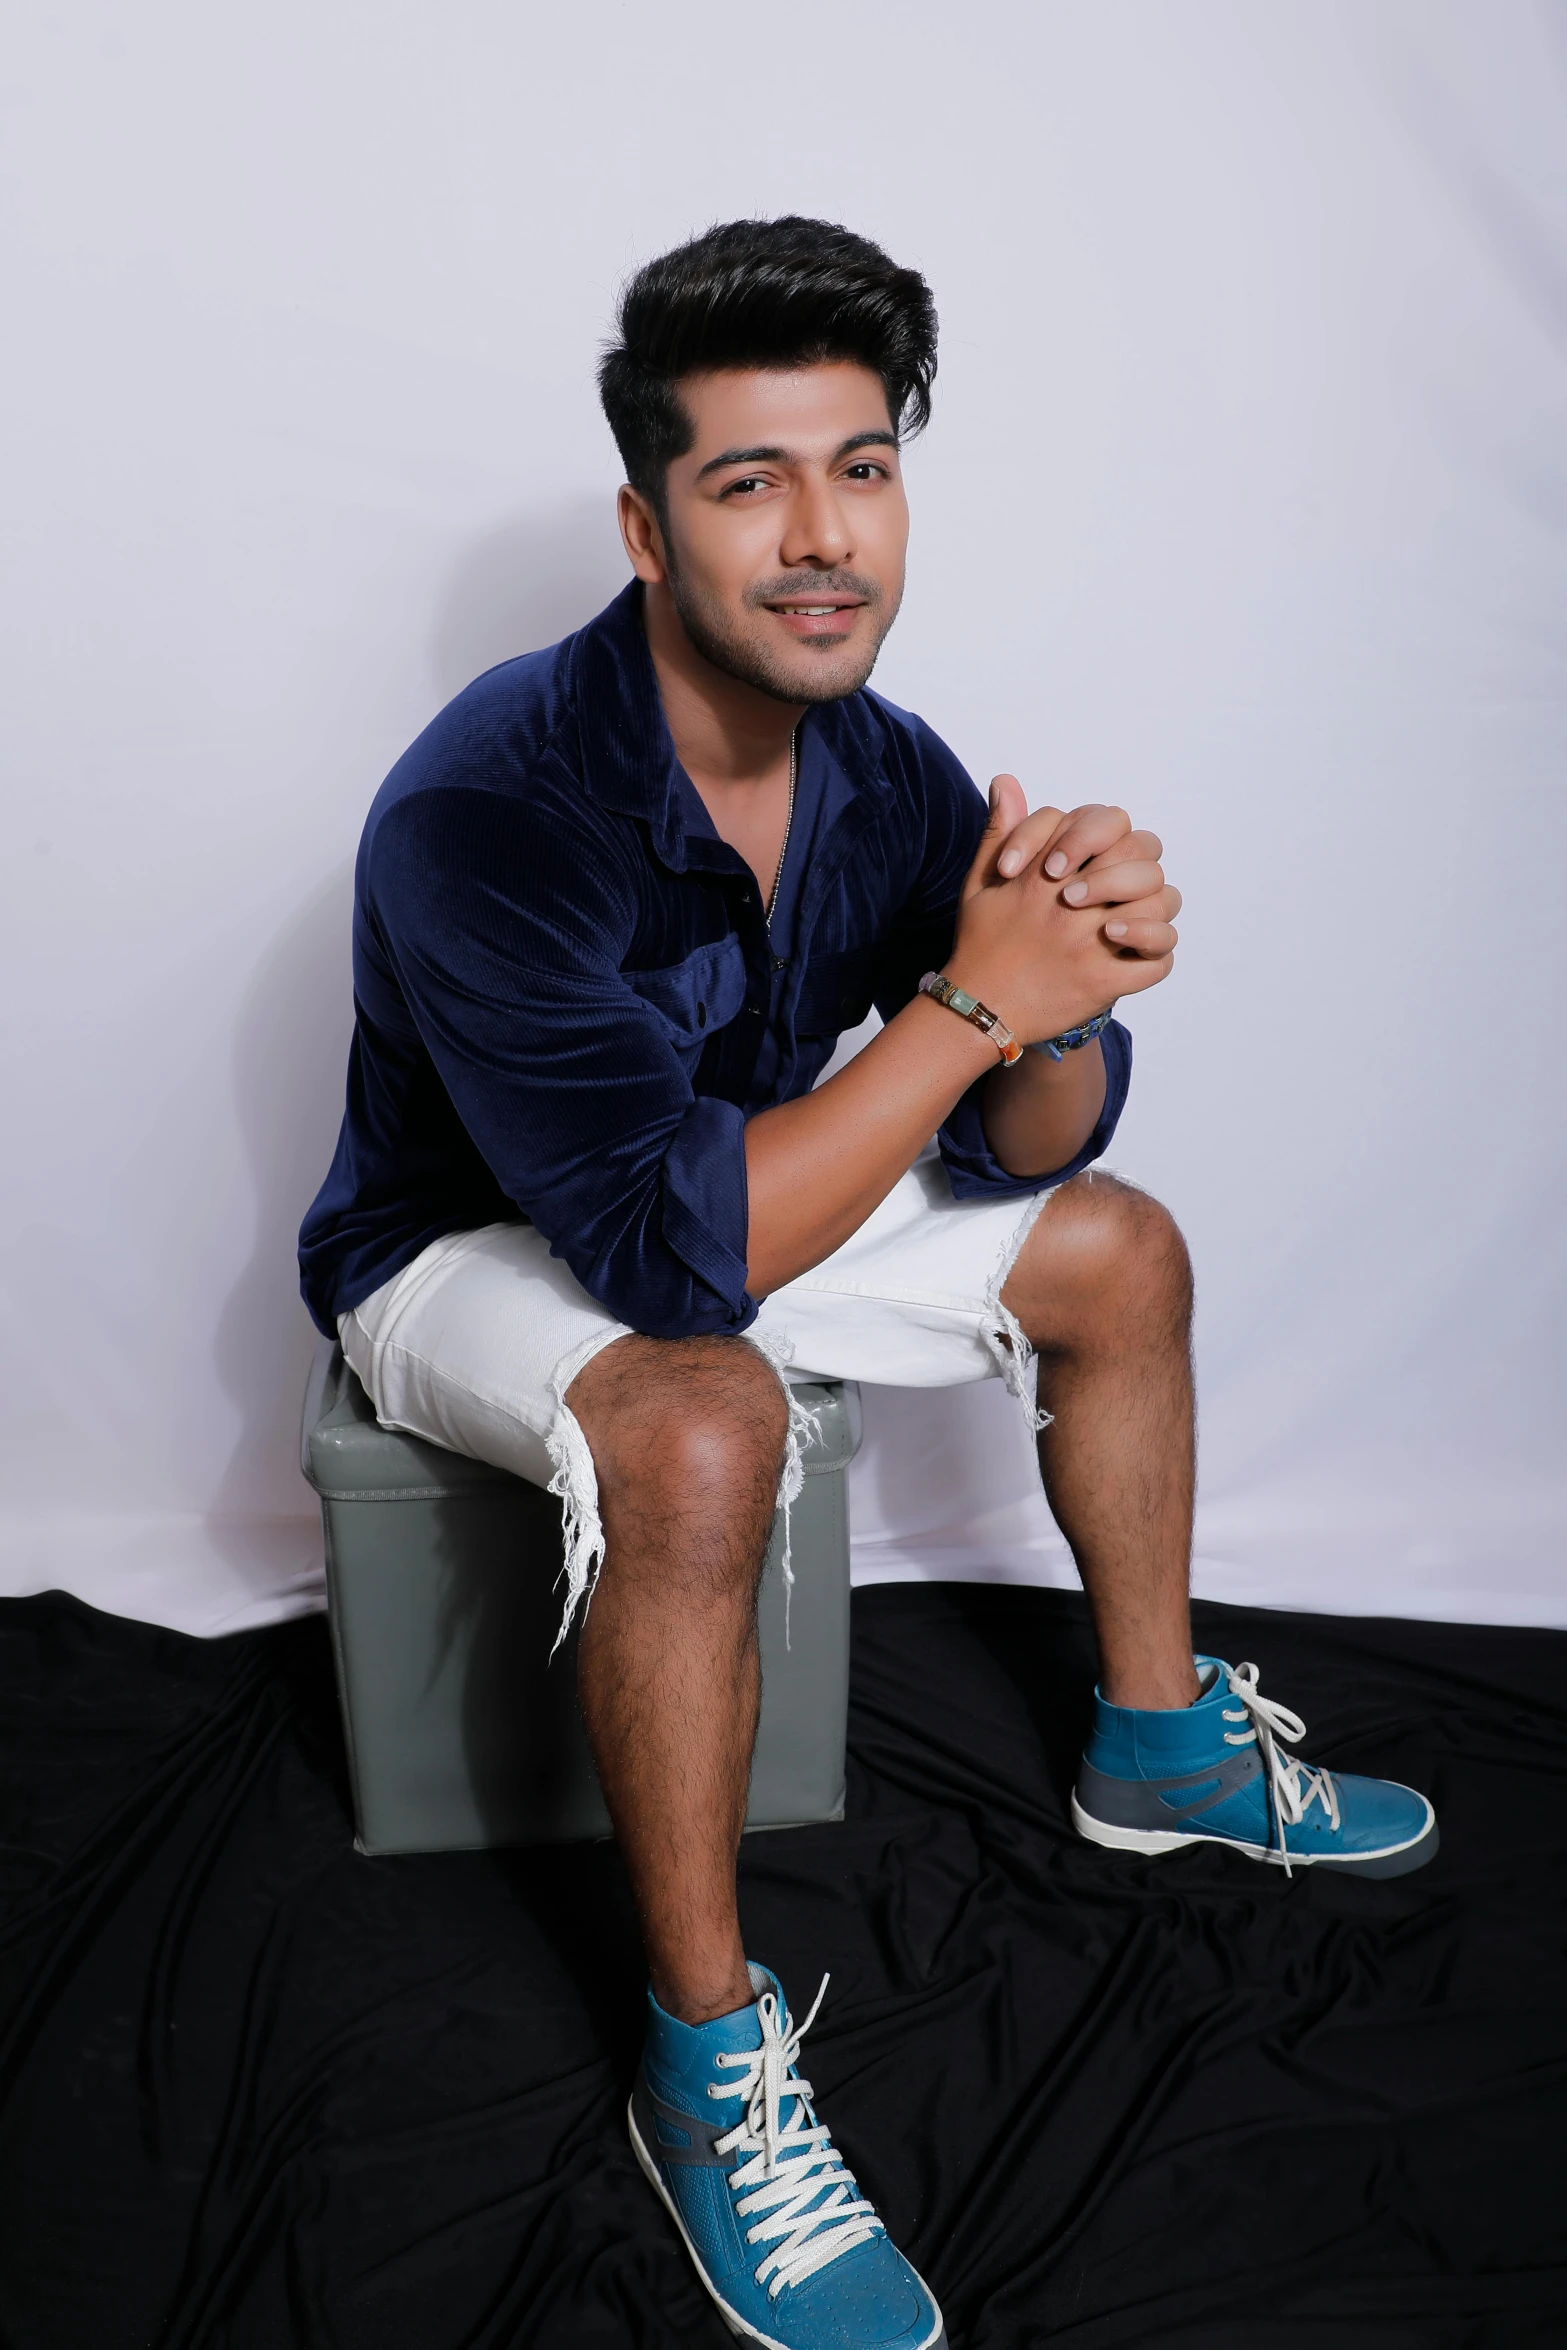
(1072, 1040)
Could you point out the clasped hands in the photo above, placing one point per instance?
(1061, 913)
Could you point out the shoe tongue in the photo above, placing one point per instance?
(762, 1980)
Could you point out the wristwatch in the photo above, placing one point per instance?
(1072, 1040)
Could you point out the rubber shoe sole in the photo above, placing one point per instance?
(1395, 1860)
(737, 2325)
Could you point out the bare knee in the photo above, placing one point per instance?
(1099, 1246)
(703, 1418)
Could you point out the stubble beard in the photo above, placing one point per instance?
(711, 628)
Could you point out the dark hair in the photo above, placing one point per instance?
(760, 293)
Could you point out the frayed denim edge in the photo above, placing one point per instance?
(805, 1427)
(575, 1480)
(1003, 1333)
(575, 1483)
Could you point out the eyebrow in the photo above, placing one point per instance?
(770, 454)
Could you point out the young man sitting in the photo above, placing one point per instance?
(612, 911)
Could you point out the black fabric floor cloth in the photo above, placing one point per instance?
(258, 2091)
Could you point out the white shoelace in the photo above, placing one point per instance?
(793, 2171)
(1292, 1784)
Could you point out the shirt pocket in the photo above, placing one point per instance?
(692, 999)
(835, 993)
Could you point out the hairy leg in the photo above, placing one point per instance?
(687, 1438)
(1102, 1287)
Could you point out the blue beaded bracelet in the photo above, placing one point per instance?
(1072, 1040)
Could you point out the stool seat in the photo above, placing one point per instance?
(443, 1598)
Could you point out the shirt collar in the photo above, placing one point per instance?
(628, 754)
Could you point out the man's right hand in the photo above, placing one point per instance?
(1037, 946)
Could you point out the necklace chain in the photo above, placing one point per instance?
(772, 903)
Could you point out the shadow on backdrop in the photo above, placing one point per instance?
(290, 1054)
(522, 586)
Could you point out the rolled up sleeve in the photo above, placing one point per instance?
(506, 924)
(973, 1169)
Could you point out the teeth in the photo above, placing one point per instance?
(812, 611)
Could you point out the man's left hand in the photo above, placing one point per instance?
(1100, 861)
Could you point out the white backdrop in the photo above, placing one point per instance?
(1245, 502)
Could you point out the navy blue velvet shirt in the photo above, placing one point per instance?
(568, 1001)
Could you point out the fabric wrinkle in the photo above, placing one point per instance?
(317, 1982)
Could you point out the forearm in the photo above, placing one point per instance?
(817, 1167)
(1047, 961)
(1039, 1114)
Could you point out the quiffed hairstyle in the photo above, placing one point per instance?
(760, 293)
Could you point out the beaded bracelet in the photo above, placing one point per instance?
(978, 1015)
(968, 1007)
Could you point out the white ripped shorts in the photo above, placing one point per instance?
(475, 1344)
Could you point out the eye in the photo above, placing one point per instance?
(865, 470)
(749, 481)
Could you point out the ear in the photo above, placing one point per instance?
(639, 531)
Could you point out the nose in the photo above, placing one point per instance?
(816, 533)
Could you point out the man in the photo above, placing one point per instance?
(612, 911)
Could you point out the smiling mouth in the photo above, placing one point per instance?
(817, 611)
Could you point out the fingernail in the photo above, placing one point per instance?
(1113, 929)
(1075, 892)
(1010, 861)
(1055, 866)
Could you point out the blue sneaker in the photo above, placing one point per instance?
(781, 2236)
(1215, 1771)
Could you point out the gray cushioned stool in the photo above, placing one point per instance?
(441, 1591)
